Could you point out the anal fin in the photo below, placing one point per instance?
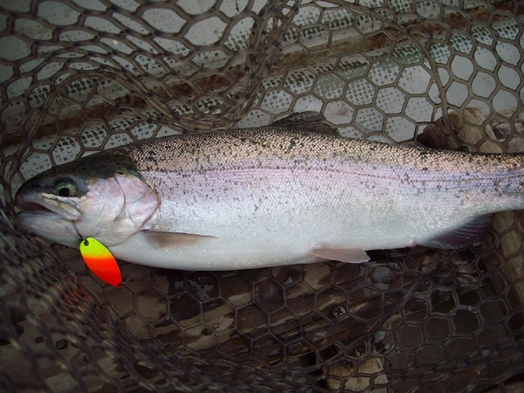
(351, 255)
(462, 236)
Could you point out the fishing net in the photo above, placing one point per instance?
(81, 76)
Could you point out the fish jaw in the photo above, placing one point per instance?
(42, 202)
(50, 226)
(49, 216)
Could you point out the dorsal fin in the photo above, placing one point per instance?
(307, 121)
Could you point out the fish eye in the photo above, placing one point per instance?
(65, 188)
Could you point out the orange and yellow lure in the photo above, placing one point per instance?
(101, 262)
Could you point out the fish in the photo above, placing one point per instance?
(292, 192)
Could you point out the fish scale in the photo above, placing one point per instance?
(284, 194)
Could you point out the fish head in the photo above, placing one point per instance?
(100, 196)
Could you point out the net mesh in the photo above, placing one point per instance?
(81, 76)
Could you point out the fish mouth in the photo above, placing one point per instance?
(28, 206)
(47, 220)
(48, 204)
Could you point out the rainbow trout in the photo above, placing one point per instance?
(275, 195)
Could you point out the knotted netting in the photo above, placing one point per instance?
(82, 76)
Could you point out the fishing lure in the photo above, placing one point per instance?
(101, 262)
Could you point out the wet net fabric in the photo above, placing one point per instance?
(78, 77)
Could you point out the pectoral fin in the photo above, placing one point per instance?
(172, 239)
(351, 255)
